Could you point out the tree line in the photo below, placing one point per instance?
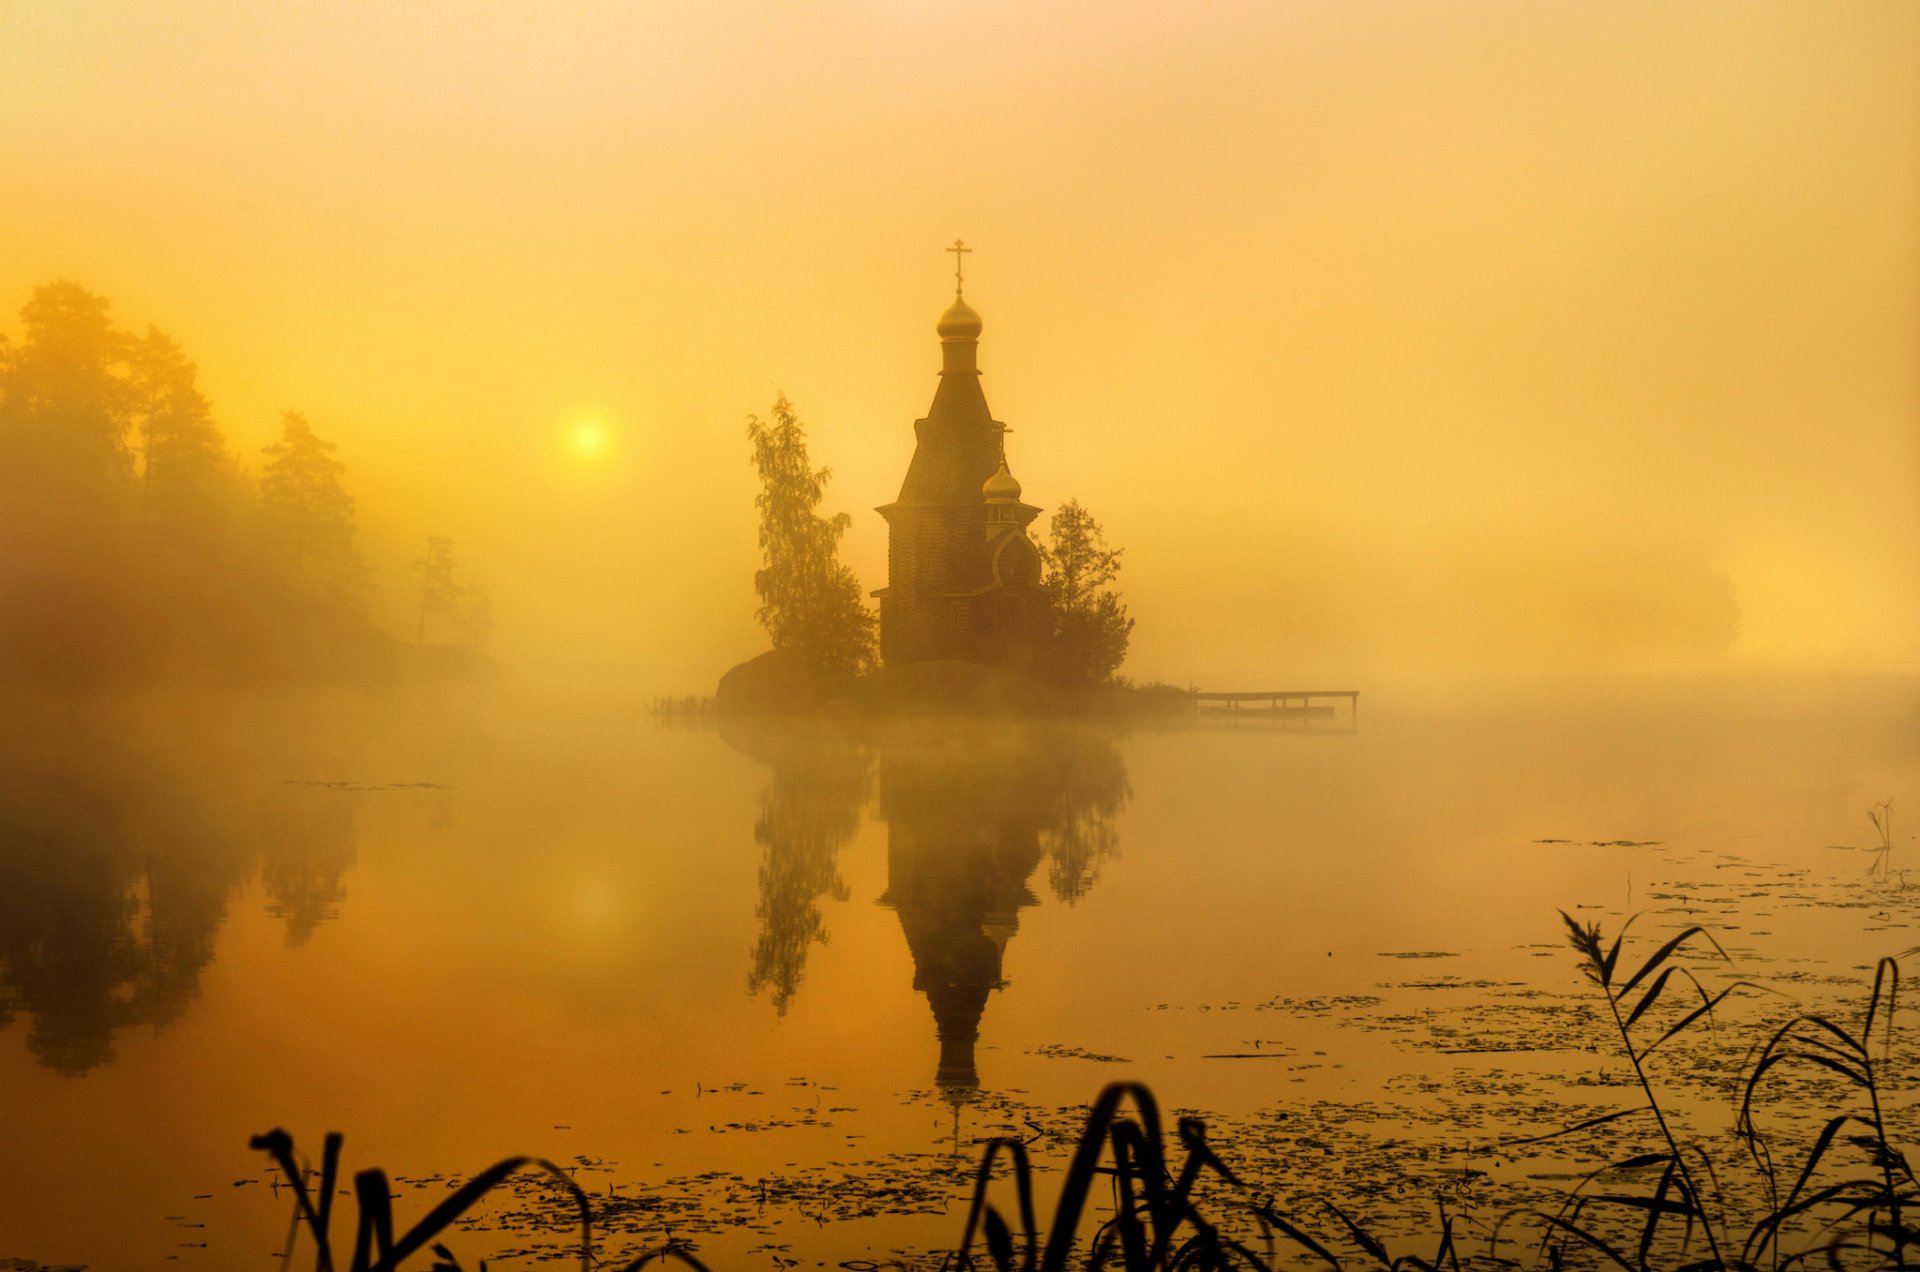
(134, 542)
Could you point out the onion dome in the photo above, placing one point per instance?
(959, 322)
(1001, 487)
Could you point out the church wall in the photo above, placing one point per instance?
(944, 598)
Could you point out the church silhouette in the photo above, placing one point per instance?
(963, 578)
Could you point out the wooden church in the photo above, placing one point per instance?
(963, 578)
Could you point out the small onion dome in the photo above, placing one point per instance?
(1001, 487)
(959, 322)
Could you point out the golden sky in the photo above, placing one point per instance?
(1390, 339)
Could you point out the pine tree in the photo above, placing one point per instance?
(439, 594)
(307, 514)
(809, 602)
(63, 419)
(179, 445)
(1090, 624)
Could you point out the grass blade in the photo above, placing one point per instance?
(1299, 1236)
(1575, 1129)
(1653, 1216)
(1665, 951)
(1647, 999)
(980, 1211)
(1086, 1160)
(471, 1192)
(1364, 1239)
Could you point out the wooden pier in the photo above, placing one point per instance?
(1280, 704)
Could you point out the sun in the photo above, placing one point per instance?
(587, 439)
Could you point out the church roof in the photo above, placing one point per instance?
(959, 322)
(1002, 487)
(958, 443)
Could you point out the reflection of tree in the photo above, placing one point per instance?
(69, 956)
(971, 811)
(186, 882)
(1090, 789)
(309, 848)
(111, 892)
(809, 809)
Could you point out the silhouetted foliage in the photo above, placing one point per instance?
(181, 451)
(65, 559)
(809, 602)
(63, 418)
(306, 513)
(439, 594)
(1090, 624)
(1154, 1224)
(132, 545)
(464, 609)
(376, 1248)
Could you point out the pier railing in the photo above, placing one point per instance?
(1280, 704)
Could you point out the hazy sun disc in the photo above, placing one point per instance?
(588, 439)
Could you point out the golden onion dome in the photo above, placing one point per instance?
(1001, 487)
(959, 322)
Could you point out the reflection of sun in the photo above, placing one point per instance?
(587, 439)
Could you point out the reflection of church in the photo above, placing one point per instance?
(962, 838)
(963, 579)
(972, 810)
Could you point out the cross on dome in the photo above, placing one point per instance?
(959, 325)
(958, 259)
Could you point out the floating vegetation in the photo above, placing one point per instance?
(1605, 843)
(338, 785)
(1807, 1169)
(1060, 1051)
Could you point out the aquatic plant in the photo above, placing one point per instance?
(1849, 1205)
(1677, 1194)
(1157, 1223)
(1155, 1226)
(375, 1249)
(1855, 1220)
(1860, 1215)
(1881, 815)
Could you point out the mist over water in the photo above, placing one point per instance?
(379, 513)
(835, 956)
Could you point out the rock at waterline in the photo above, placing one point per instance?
(778, 683)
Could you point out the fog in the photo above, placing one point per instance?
(1397, 345)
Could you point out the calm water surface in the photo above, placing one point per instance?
(766, 989)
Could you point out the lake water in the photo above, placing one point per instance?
(768, 989)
